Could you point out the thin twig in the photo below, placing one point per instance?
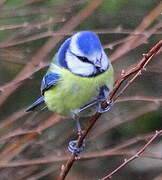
(117, 150)
(49, 33)
(41, 65)
(134, 70)
(51, 43)
(15, 83)
(140, 98)
(14, 148)
(125, 118)
(28, 25)
(126, 161)
(42, 173)
(116, 122)
(2, 3)
(12, 118)
(137, 68)
(146, 22)
(18, 132)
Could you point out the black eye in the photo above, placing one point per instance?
(84, 59)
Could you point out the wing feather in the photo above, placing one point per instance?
(48, 81)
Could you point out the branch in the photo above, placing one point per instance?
(42, 64)
(100, 130)
(136, 71)
(129, 116)
(50, 44)
(2, 3)
(27, 75)
(12, 118)
(142, 37)
(140, 98)
(42, 173)
(146, 22)
(126, 161)
(49, 33)
(36, 66)
(116, 150)
(16, 147)
(31, 25)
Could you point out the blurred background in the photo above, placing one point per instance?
(34, 145)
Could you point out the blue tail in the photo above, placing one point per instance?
(38, 102)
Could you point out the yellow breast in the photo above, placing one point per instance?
(73, 92)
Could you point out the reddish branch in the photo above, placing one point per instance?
(116, 150)
(37, 59)
(41, 65)
(37, 63)
(126, 161)
(129, 116)
(15, 148)
(141, 98)
(135, 71)
(146, 22)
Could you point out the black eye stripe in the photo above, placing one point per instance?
(84, 59)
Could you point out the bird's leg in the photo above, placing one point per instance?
(104, 91)
(78, 125)
(73, 144)
(92, 103)
(109, 105)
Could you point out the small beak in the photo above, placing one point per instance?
(98, 64)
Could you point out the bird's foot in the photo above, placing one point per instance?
(103, 110)
(73, 147)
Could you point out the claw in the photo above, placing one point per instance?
(73, 147)
(109, 105)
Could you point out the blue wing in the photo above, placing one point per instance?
(48, 81)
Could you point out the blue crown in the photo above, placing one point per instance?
(88, 42)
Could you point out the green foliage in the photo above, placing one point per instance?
(15, 2)
(113, 7)
(54, 2)
(149, 122)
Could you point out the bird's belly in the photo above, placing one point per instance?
(65, 99)
(72, 91)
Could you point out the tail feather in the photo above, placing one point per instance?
(38, 102)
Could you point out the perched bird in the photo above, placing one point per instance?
(79, 78)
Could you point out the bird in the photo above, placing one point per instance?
(79, 78)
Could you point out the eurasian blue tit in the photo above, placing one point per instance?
(79, 78)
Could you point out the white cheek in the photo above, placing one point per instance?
(78, 67)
